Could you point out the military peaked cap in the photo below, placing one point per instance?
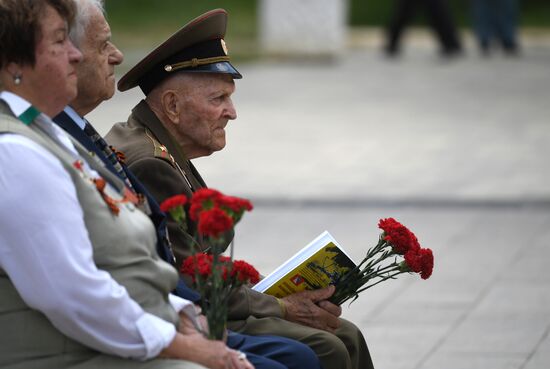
(196, 47)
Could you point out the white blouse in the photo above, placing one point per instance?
(46, 252)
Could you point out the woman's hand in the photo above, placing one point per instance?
(212, 354)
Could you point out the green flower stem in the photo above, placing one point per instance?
(216, 307)
(382, 244)
(391, 276)
(355, 295)
(366, 274)
(380, 269)
(373, 251)
(359, 269)
(350, 287)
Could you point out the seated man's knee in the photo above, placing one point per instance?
(332, 352)
(351, 336)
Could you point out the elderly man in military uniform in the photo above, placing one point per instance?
(188, 81)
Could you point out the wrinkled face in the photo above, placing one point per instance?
(52, 82)
(206, 109)
(96, 78)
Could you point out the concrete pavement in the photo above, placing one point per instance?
(455, 149)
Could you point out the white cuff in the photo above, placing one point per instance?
(186, 307)
(156, 333)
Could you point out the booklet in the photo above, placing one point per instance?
(319, 264)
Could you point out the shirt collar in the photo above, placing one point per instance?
(75, 117)
(16, 103)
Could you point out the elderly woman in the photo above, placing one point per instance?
(81, 285)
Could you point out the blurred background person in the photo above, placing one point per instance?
(440, 19)
(496, 21)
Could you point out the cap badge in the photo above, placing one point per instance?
(224, 46)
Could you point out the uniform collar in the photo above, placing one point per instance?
(19, 105)
(148, 118)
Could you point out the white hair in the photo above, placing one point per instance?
(82, 18)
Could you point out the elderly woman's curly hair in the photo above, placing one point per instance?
(20, 29)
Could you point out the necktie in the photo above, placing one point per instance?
(165, 250)
(110, 154)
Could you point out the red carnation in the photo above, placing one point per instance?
(214, 222)
(385, 261)
(388, 224)
(236, 204)
(412, 260)
(245, 272)
(201, 263)
(224, 259)
(194, 211)
(427, 263)
(203, 199)
(399, 236)
(215, 275)
(420, 261)
(203, 194)
(172, 202)
(225, 263)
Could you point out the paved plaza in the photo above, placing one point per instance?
(457, 149)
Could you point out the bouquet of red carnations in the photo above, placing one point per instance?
(213, 275)
(398, 251)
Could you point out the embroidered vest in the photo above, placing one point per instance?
(123, 245)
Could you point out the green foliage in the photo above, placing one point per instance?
(370, 13)
(142, 24)
(533, 13)
(139, 25)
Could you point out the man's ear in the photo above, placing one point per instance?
(171, 105)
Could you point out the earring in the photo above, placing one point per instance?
(17, 79)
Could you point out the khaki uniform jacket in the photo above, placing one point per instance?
(158, 162)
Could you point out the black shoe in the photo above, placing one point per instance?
(392, 51)
(511, 50)
(451, 52)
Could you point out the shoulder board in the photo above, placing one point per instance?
(160, 151)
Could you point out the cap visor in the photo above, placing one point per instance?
(221, 67)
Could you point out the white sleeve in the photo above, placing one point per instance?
(186, 307)
(46, 252)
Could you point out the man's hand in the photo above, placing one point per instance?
(312, 309)
(211, 354)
